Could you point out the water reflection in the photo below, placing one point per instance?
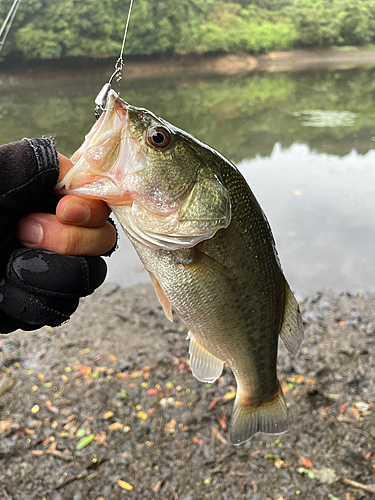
(307, 134)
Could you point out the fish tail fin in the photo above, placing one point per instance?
(270, 417)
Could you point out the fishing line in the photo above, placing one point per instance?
(8, 22)
(101, 98)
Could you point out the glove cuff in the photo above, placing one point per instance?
(45, 153)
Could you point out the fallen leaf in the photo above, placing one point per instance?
(85, 371)
(81, 432)
(35, 409)
(306, 462)
(361, 406)
(326, 475)
(151, 392)
(343, 408)
(222, 420)
(279, 463)
(229, 395)
(214, 402)
(171, 426)
(142, 415)
(157, 486)
(108, 414)
(356, 413)
(4, 425)
(196, 440)
(85, 441)
(116, 426)
(124, 485)
(101, 437)
(309, 473)
(54, 410)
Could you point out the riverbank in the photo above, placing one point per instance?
(192, 65)
(117, 375)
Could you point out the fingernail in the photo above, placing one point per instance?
(30, 232)
(75, 212)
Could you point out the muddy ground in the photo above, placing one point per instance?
(105, 407)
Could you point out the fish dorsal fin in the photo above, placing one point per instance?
(204, 366)
(162, 298)
(291, 332)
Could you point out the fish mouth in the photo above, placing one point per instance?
(101, 163)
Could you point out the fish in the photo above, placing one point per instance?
(208, 247)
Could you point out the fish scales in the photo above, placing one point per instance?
(203, 237)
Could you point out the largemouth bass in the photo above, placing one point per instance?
(204, 239)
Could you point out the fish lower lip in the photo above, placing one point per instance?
(100, 188)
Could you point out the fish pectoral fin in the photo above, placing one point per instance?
(162, 298)
(204, 366)
(291, 332)
(270, 417)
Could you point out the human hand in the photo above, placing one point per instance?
(37, 286)
(79, 227)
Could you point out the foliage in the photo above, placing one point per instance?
(46, 29)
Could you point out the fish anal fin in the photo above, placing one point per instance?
(205, 366)
(162, 298)
(291, 332)
(247, 420)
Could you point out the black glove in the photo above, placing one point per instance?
(37, 287)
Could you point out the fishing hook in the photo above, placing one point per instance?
(101, 98)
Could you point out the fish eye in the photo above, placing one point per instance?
(158, 137)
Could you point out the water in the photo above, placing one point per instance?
(304, 142)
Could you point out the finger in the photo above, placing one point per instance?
(45, 231)
(64, 165)
(81, 212)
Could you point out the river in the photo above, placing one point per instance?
(304, 141)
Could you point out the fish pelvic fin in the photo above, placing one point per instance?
(162, 298)
(291, 332)
(205, 366)
(270, 417)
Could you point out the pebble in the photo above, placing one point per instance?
(6, 384)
